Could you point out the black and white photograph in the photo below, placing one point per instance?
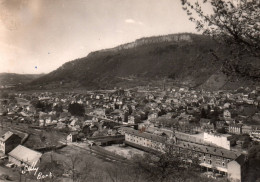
(129, 90)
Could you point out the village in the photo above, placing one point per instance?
(217, 127)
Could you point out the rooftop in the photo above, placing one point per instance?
(144, 135)
(186, 144)
(25, 154)
(6, 136)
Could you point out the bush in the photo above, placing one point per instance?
(245, 145)
(5, 177)
(76, 109)
(222, 130)
(64, 130)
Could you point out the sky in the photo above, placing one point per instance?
(38, 36)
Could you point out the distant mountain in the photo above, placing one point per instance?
(171, 59)
(7, 79)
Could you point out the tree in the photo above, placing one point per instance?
(2, 124)
(166, 166)
(247, 141)
(53, 168)
(39, 104)
(222, 130)
(253, 163)
(58, 108)
(81, 135)
(87, 171)
(76, 109)
(122, 173)
(42, 137)
(73, 162)
(234, 24)
(203, 113)
(47, 107)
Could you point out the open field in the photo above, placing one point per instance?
(87, 166)
(14, 176)
(127, 152)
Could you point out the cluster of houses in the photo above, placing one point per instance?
(181, 114)
(183, 109)
(133, 107)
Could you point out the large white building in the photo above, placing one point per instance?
(210, 157)
(221, 140)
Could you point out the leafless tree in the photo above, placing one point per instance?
(2, 124)
(86, 173)
(113, 174)
(72, 164)
(235, 23)
(164, 166)
(123, 172)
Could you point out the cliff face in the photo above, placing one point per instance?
(174, 38)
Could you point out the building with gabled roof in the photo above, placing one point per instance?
(72, 137)
(237, 168)
(9, 141)
(22, 155)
